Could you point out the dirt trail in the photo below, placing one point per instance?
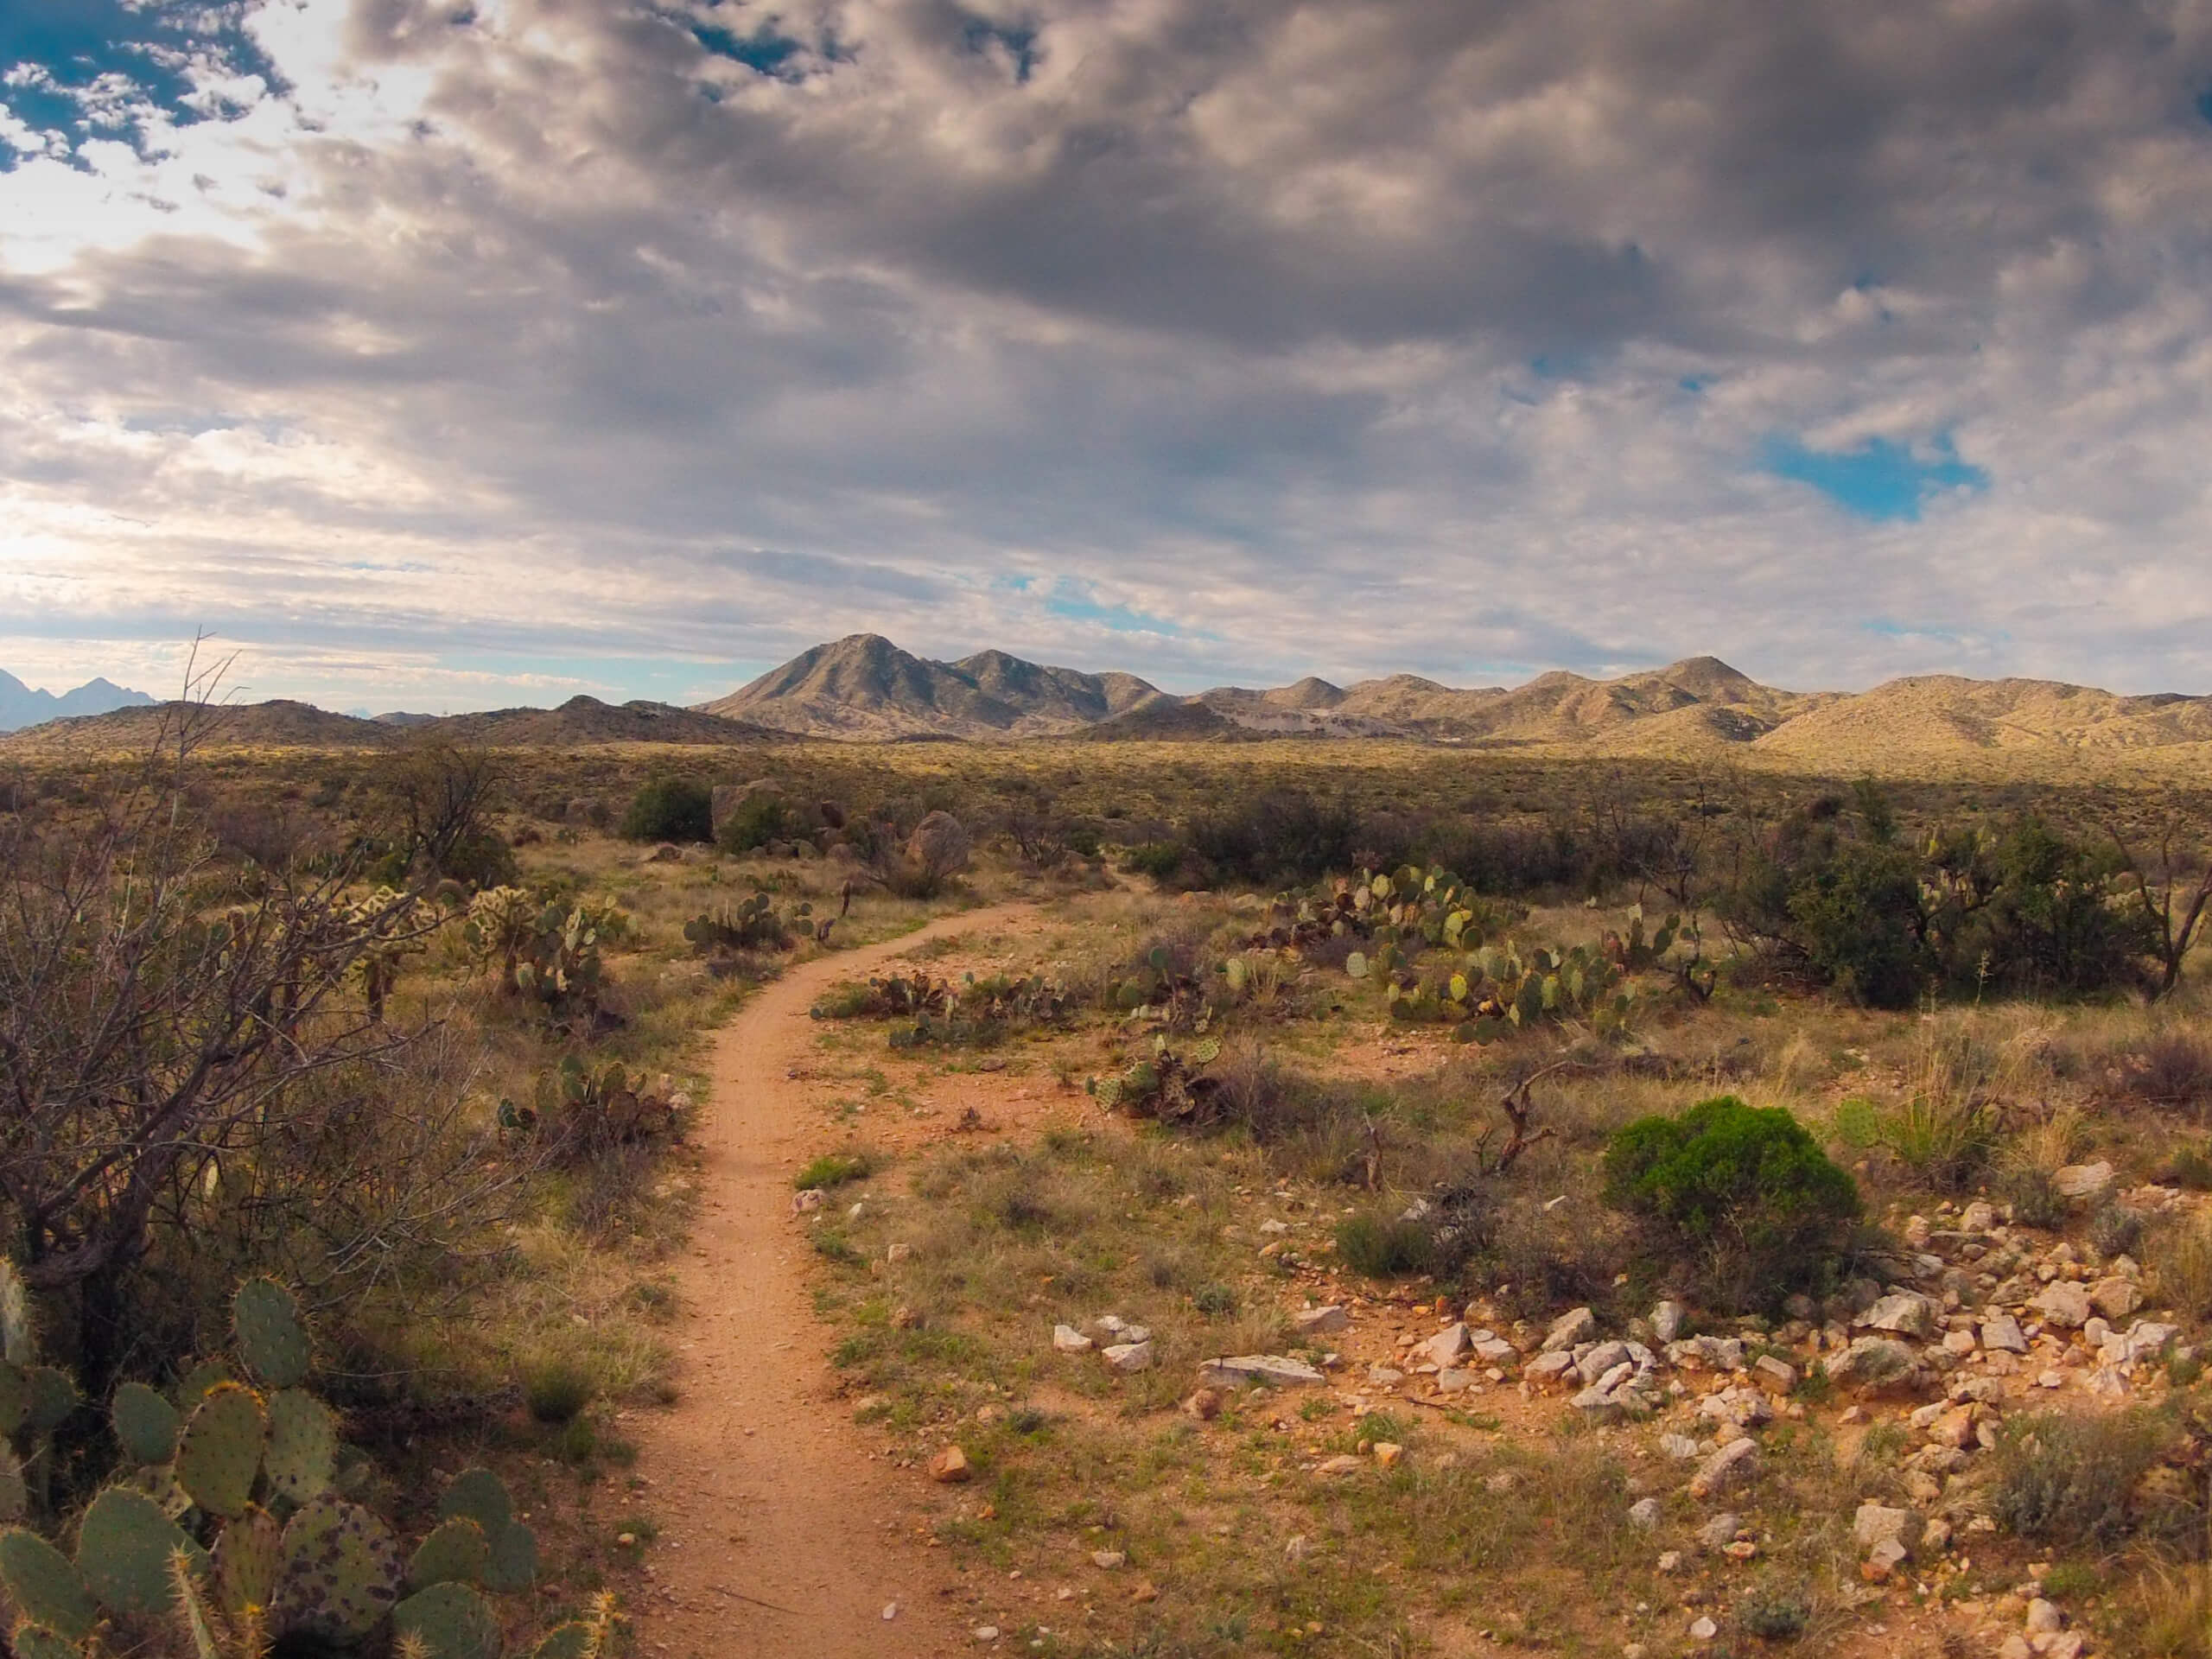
(760, 1485)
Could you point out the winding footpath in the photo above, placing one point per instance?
(778, 1536)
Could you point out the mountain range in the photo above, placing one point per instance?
(20, 706)
(866, 688)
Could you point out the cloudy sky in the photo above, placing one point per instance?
(454, 354)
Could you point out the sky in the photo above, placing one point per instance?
(463, 355)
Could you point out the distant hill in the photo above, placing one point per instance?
(20, 706)
(577, 723)
(866, 687)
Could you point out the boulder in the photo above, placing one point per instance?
(940, 845)
(1876, 1523)
(950, 1467)
(1775, 1376)
(727, 797)
(1128, 1357)
(1667, 1321)
(2001, 1334)
(2115, 1297)
(2082, 1182)
(1870, 1363)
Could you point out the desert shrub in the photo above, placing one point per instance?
(2034, 1197)
(753, 823)
(1157, 859)
(670, 808)
(1774, 1616)
(1516, 859)
(1281, 839)
(2116, 1230)
(2171, 1068)
(1383, 1246)
(2049, 924)
(1745, 1193)
(1944, 1138)
(1856, 912)
(1215, 1301)
(2188, 1165)
(2074, 1479)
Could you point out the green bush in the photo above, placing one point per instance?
(753, 823)
(1157, 859)
(1743, 1194)
(670, 808)
(556, 1390)
(835, 1169)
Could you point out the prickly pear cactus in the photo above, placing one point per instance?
(36, 1641)
(452, 1621)
(15, 1494)
(18, 1341)
(513, 1566)
(53, 1399)
(337, 1573)
(456, 1552)
(219, 1455)
(124, 1547)
(15, 1397)
(302, 1453)
(145, 1423)
(248, 1557)
(482, 1497)
(45, 1586)
(197, 1383)
(272, 1339)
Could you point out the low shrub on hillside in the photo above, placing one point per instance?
(1742, 1196)
(670, 808)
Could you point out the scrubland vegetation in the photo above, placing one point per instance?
(1607, 1152)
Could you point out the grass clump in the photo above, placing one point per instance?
(835, 1169)
(557, 1389)
(2181, 1266)
(1742, 1195)
(1390, 1247)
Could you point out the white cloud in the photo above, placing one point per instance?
(1348, 339)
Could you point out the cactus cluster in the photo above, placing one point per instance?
(752, 924)
(548, 954)
(584, 1113)
(230, 1525)
(34, 1400)
(1167, 1085)
(1410, 908)
(973, 1013)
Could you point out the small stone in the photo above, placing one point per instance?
(1446, 1345)
(1129, 1358)
(1066, 1339)
(1644, 1514)
(1388, 1453)
(1741, 1550)
(890, 1611)
(2001, 1334)
(1882, 1561)
(1680, 1447)
(806, 1202)
(987, 1632)
(1959, 1343)
(1670, 1560)
(1320, 1321)
(1576, 1325)
(950, 1467)
(1454, 1382)
(1774, 1376)
(1978, 1218)
(1336, 1467)
(1875, 1523)
(1668, 1319)
(1905, 1312)
(898, 1253)
(2052, 1379)
(2042, 1616)
(1107, 1560)
(1870, 1362)
(1719, 1532)
(2015, 1646)
(1298, 1548)
(1702, 1629)
(1278, 1369)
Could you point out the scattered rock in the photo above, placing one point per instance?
(1067, 1339)
(1343, 1464)
(1128, 1357)
(1720, 1531)
(987, 1632)
(1644, 1514)
(1702, 1629)
(1388, 1453)
(1875, 1523)
(2001, 1334)
(1882, 1560)
(1871, 1362)
(1279, 1371)
(1775, 1376)
(890, 1611)
(2042, 1618)
(1680, 1447)
(1978, 1218)
(1578, 1325)
(807, 1202)
(1668, 1319)
(1729, 1466)
(2064, 1304)
(1107, 1560)
(2115, 1297)
(898, 1253)
(950, 1467)
(2082, 1182)
(1905, 1312)
(1446, 1345)
(1321, 1321)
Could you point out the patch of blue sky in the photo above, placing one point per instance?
(1880, 481)
(1078, 603)
(91, 69)
(981, 37)
(2204, 104)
